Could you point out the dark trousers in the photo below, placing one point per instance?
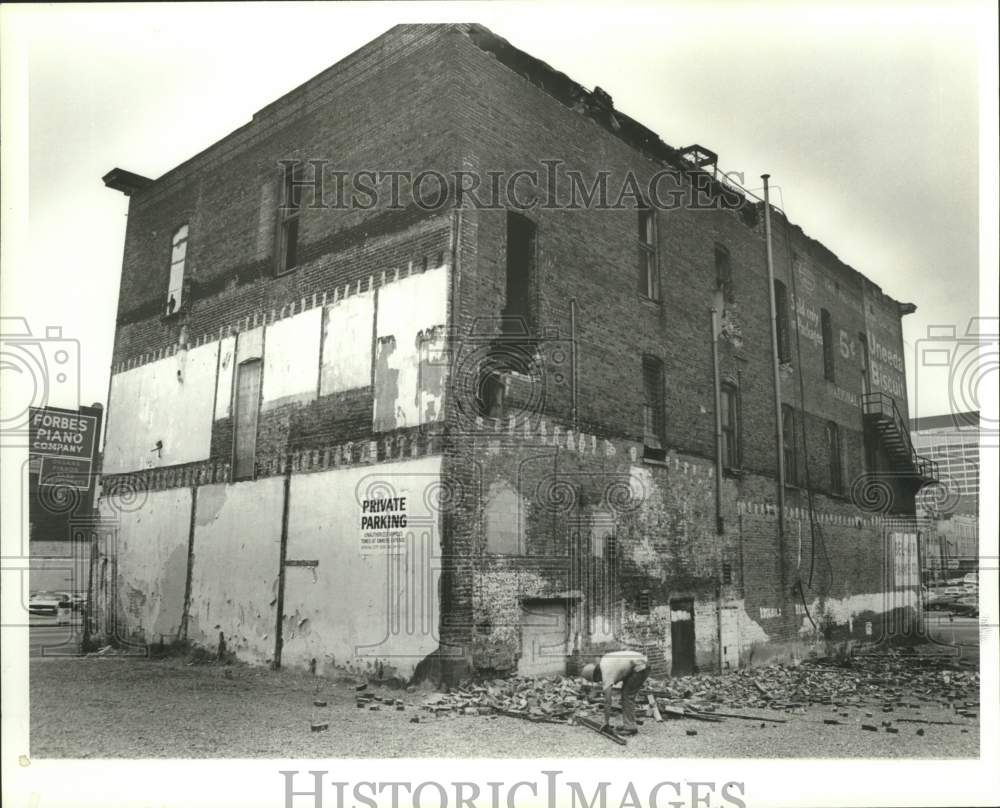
(630, 686)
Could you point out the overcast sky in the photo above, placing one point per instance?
(866, 119)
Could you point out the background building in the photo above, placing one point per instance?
(431, 438)
(951, 441)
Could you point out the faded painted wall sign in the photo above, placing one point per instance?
(383, 524)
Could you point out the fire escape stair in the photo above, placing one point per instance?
(882, 415)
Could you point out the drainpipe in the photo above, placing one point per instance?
(573, 360)
(282, 559)
(717, 387)
(719, 527)
(779, 438)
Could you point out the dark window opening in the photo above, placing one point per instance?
(730, 426)
(788, 436)
(653, 432)
(834, 448)
(490, 394)
(245, 419)
(649, 272)
(782, 325)
(724, 274)
(727, 572)
(289, 209)
(644, 602)
(826, 324)
(517, 313)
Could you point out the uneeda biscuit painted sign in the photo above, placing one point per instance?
(383, 524)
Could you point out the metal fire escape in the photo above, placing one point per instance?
(882, 415)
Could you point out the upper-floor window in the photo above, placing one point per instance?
(826, 326)
(782, 325)
(178, 258)
(730, 426)
(649, 272)
(724, 274)
(289, 209)
(518, 309)
(788, 438)
(653, 432)
(835, 453)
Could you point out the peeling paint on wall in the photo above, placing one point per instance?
(409, 356)
(224, 381)
(347, 344)
(170, 401)
(234, 577)
(151, 549)
(291, 359)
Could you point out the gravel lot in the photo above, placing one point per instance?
(116, 707)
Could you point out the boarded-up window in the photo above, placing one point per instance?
(178, 260)
(504, 519)
(245, 420)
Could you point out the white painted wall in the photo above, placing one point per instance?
(347, 344)
(291, 359)
(357, 609)
(250, 344)
(170, 400)
(234, 579)
(405, 308)
(151, 549)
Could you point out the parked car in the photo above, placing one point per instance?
(55, 605)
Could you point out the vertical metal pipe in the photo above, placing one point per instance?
(779, 439)
(572, 345)
(717, 386)
(282, 559)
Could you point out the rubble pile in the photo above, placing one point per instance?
(544, 700)
(884, 682)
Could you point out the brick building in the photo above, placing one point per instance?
(419, 438)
